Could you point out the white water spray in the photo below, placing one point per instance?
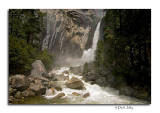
(88, 55)
(98, 95)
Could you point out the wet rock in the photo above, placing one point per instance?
(74, 83)
(19, 82)
(53, 90)
(50, 92)
(38, 89)
(55, 85)
(85, 95)
(60, 78)
(75, 94)
(38, 69)
(18, 95)
(65, 72)
(59, 95)
(28, 93)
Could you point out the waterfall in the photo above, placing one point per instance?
(88, 55)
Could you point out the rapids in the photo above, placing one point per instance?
(98, 95)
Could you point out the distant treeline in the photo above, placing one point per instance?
(126, 47)
(25, 28)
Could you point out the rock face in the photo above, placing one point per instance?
(38, 69)
(69, 31)
(75, 83)
(19, 82)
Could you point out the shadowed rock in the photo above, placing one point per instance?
(19, 82)
(38, 69)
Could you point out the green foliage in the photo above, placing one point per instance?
(46, 58)
(25, 26)
(126, 47)
(21, 55)
(85, 68)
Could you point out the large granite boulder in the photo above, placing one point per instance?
(28, 93)
(38, 69)
(74, 83)
(19, 82)
(38, 89)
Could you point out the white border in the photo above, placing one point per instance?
(74, 4)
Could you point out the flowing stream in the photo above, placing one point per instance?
(98, 95)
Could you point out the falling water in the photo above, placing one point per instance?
(88, 55)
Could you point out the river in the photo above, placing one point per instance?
(98, 95)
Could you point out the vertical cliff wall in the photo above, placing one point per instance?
(68, 32)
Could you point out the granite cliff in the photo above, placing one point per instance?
(68, 32)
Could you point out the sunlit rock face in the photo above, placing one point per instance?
(68, 32)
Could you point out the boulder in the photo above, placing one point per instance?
(38, 69)
(19, 82)
(90, 76)
(18, 95)
(85, 95)
(59, 95)
(60, 78)
(38, 89)
(74, 83)
(65, 72)
(75, 94)
(27, 93)
(55, 85)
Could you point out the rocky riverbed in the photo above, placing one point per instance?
(62, 86)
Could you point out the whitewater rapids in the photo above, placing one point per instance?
(98, 95)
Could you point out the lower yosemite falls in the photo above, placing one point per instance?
(79, 56)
